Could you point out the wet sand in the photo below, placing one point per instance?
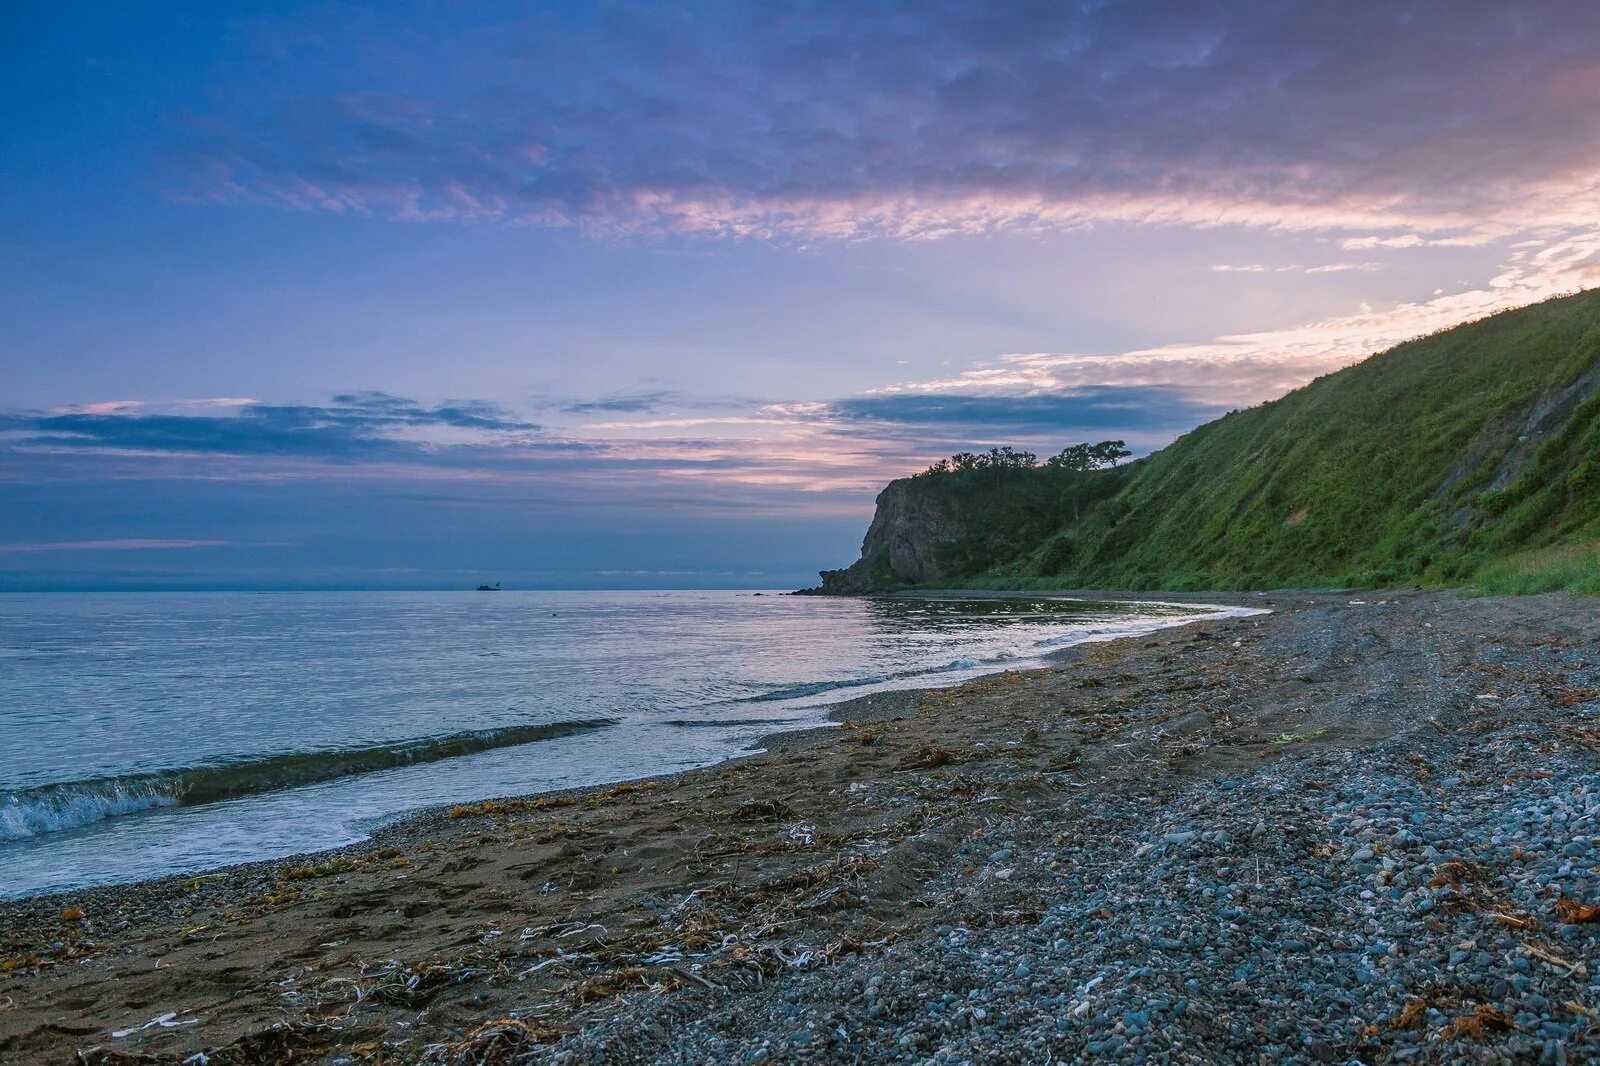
(498, 928)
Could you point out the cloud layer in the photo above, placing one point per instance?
(641, 452)
(353, 426)
(1381, 129)
(1455, 120)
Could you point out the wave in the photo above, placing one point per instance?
(718, 723)
(818, 688)
(49, 808)
(814, 688)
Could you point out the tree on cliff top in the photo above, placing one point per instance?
(1078, 458)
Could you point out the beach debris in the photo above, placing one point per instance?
(169, 1020)
(280, 1042)
(1410, 1016)
(519, 805)
(383, 858)
(195, 884)
(493, 1043)
(626, 789)
(1572, 912)
(1515, 921)
(581, 928)
(399, 985)
(312, 871)
(1300, 737)
(111, 1056)
(928, 757)
(1455, 873)
(763, 810)
(72, 914)
(1484, 1019)
(1574, 968)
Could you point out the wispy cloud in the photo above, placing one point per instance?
(1244, 368)
(1402, 123)
(1148, 412)
(353, 425)
(1345, 268)
(1296, 268)
(1414, 240)
(124, 545)
(627, 403)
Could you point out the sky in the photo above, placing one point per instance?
(414, 294)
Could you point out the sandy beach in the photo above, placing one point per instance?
(694, 918)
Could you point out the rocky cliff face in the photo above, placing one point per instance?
(902, 543)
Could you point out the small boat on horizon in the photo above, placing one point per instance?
(490, 588)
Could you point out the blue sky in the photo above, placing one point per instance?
(635, 294)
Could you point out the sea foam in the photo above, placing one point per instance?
(50, 808)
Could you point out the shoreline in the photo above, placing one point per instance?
(866, 707)
(879, 706)
(668, 920)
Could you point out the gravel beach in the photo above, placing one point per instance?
(1363, 828)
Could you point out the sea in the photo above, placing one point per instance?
(150, 734)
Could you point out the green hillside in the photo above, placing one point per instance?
(1475, 451)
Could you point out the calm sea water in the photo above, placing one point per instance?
(145, 734)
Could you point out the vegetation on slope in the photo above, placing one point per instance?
(1445, 457)
(1573, 569)
(1008, 502)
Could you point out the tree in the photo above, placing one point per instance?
(1077, 458)
(1107, 452)
(1008, 458)
(968, 461)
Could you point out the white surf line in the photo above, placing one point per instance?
(1043, 651)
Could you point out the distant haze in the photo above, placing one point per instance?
(579, 295)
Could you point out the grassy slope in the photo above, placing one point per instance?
(1385, 465)
(1572, 568)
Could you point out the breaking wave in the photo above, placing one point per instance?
(49, 808)
(727, 723)
(821, 688)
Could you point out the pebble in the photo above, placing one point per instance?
(1332, 888)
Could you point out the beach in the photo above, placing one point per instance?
(167, 734)
(1357, 827)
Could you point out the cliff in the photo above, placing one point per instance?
(902, 543)
(952, 527)
(1424, 464)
